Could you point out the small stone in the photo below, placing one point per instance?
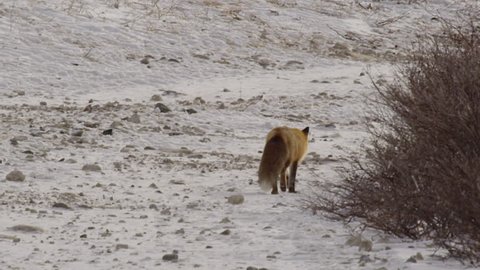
(43, 103)
(91, 168)
(153, 185)
(180, 231)
(153, 206)
(26, 229)
(107, 132)
(191, 111)
(412, 259)
(170, 257)
(252, 268)
(225, 220)
(83, 236)
(148, 148)
(91, 124)
(226, 232)
(162, 107)
(419, 256)
(177, 182)
(15, 176)
(146, 60)
(61, 205)
(236, 199)
(156, 98)
(76, 132)
(121, 246)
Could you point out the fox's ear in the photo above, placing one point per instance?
(305, 130)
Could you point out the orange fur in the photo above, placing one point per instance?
(285, 149)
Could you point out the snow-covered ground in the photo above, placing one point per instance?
(229, 71)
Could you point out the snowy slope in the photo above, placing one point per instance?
(229, 71)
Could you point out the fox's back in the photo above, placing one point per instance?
(295, 140)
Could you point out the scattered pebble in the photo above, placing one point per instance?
(162, 107)
(173, 257)
(15, 176)
(108, 132)
(156, 98)
(236, 199)
(26, 229)
(121, 246)
(177, 182)
(61, 205)
(190, 111)
(91, 168)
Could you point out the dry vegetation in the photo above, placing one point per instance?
(419, 176)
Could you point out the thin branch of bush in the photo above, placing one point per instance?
(419, 175)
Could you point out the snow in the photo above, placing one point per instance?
(244, 67)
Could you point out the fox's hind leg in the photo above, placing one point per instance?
(293, 175)
(284, 178)
(274, 187)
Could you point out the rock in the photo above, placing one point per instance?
(415, 258)
(76, 132)
(91, 168)
(135, 118)
(226, 232)
(61, 205)
(26, 229)
(146, 59)
(43, 103)
(121, 246)
(153, 207)
(162, 107)
(83, 236)
(108, 132)
(177, 182)
(156, 98)
(173, 257)
(91, 124)
(236, 199)
(252, 268)
(15, 176)
(412, 259)
(190, 111)
(225, 220)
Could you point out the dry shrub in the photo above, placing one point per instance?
(420, 173)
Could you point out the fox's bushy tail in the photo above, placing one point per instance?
(273, 160)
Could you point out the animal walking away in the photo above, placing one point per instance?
(285, 148)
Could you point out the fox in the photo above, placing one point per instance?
(285, 148)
